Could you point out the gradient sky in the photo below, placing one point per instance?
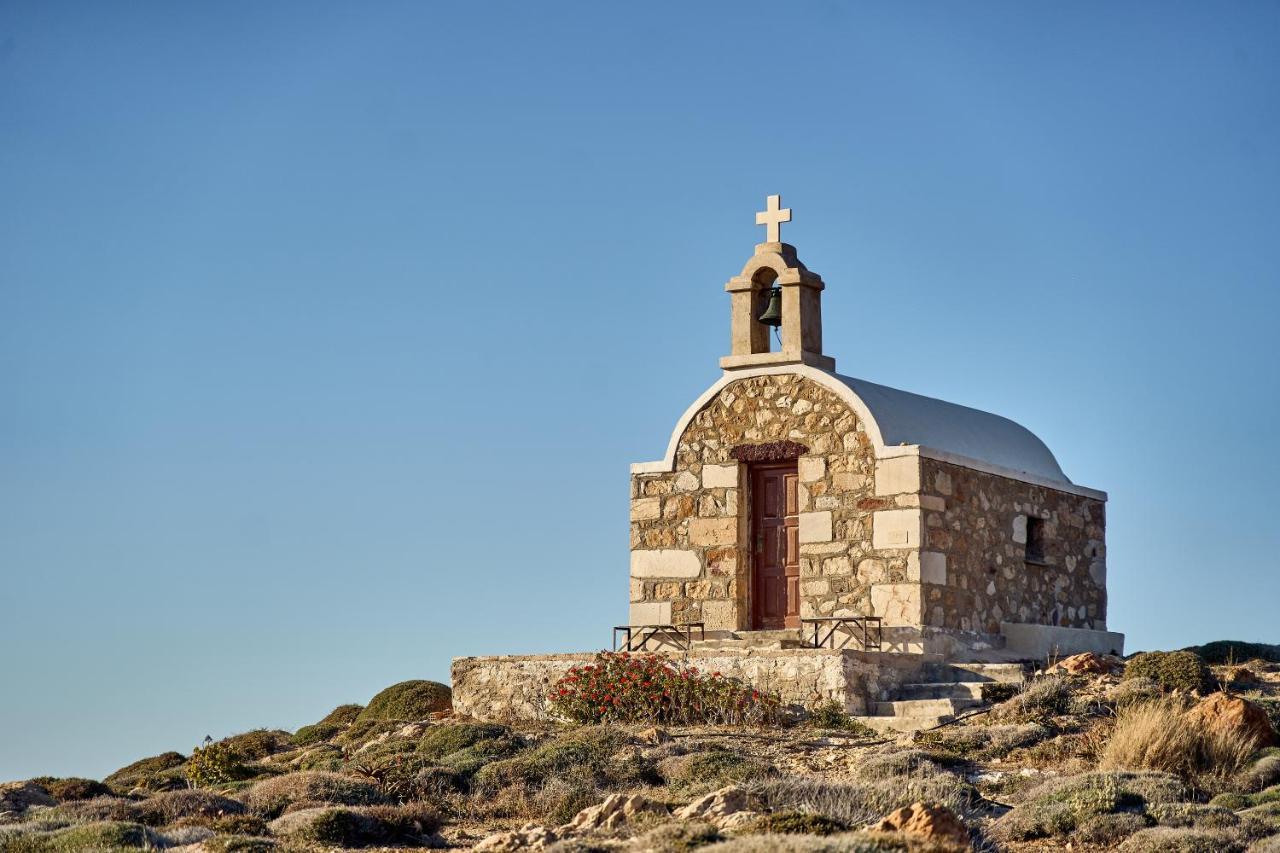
(328, 330)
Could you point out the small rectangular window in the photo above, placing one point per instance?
(1035, 540)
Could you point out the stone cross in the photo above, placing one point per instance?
(772, 218)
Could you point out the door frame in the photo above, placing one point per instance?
(791, 614)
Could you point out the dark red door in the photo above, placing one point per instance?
(775, 547)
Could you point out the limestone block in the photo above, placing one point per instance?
(872, 571)
(815, 587)
(896, 528)
(1098, 572)
(897, 603)
(686, 482)
(650, 613)
(713, 531)
(815, 527)
(837, 566)
(942, 483)
(1020, 529)
(933, 567)
(811, 468)
(637, 589)
(719, 476)
(897, 475)
(720, 615)
(929, 502)
(848, 482)
(665, 563)
(646, 509)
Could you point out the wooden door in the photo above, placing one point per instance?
(775, 593)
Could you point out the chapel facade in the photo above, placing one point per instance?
(790, 491)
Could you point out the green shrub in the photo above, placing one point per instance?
(985, 742)
(859, 803)
(100, 836)
(343, 715)
(315, 733)
(157, 773)
(72, 788)
(1107, 830)
(1195, 815)
(173, 805)
(442, 740)
(1043, 697)
(707, 770)
(679, 836)
(1235, 651)
(239, 844)
(238, 824)
(832, 715)
(1231, 801)
(624, 688)
(359, 827)
(213, 764)
(892, 761)
(1183, 671)
(104, 809)
(256, 744)
(1134, 690)
(799, 823)
(1059, 807)
(1167, 839)
(587, 747)
(270, 797)
(408, 700)
(995, 692)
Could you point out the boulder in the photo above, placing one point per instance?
(717, 806)
(925, 820)
(738, 820)
(1234, 713)
(1086, 663)
(531, 836)
(654, 736)
(17, 797)
(616, 810)
(1240, 676)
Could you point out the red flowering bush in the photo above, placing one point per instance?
(624, 688)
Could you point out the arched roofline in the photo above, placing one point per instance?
(826, 380)
(846, 394)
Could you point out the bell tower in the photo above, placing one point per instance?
(799, 301)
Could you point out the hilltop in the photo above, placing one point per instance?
(1165, 751)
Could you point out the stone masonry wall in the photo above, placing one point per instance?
(978, 522)
(689, 527)
(515, 687)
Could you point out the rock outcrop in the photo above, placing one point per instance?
(926, 820)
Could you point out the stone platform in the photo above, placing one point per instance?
(513, 687)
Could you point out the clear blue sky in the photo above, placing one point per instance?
(328, 330)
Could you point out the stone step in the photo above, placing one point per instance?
(922, 707)
(1008, 673)
(783, 639)
(942, 690)
(894, 725)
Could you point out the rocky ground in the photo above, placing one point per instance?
(1157, 753)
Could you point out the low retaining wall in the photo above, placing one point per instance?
(514, 687)
(1038, 642)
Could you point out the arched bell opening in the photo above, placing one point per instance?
(766, 311)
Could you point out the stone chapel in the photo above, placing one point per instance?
(789, 490)
(831, 539)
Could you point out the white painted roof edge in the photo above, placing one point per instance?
(839, 386)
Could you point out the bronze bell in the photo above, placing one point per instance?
(772, 315)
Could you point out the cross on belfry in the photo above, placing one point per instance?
(771, 218)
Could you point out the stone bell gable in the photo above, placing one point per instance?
(946, 522)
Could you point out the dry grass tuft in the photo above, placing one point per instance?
(1155, 736)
